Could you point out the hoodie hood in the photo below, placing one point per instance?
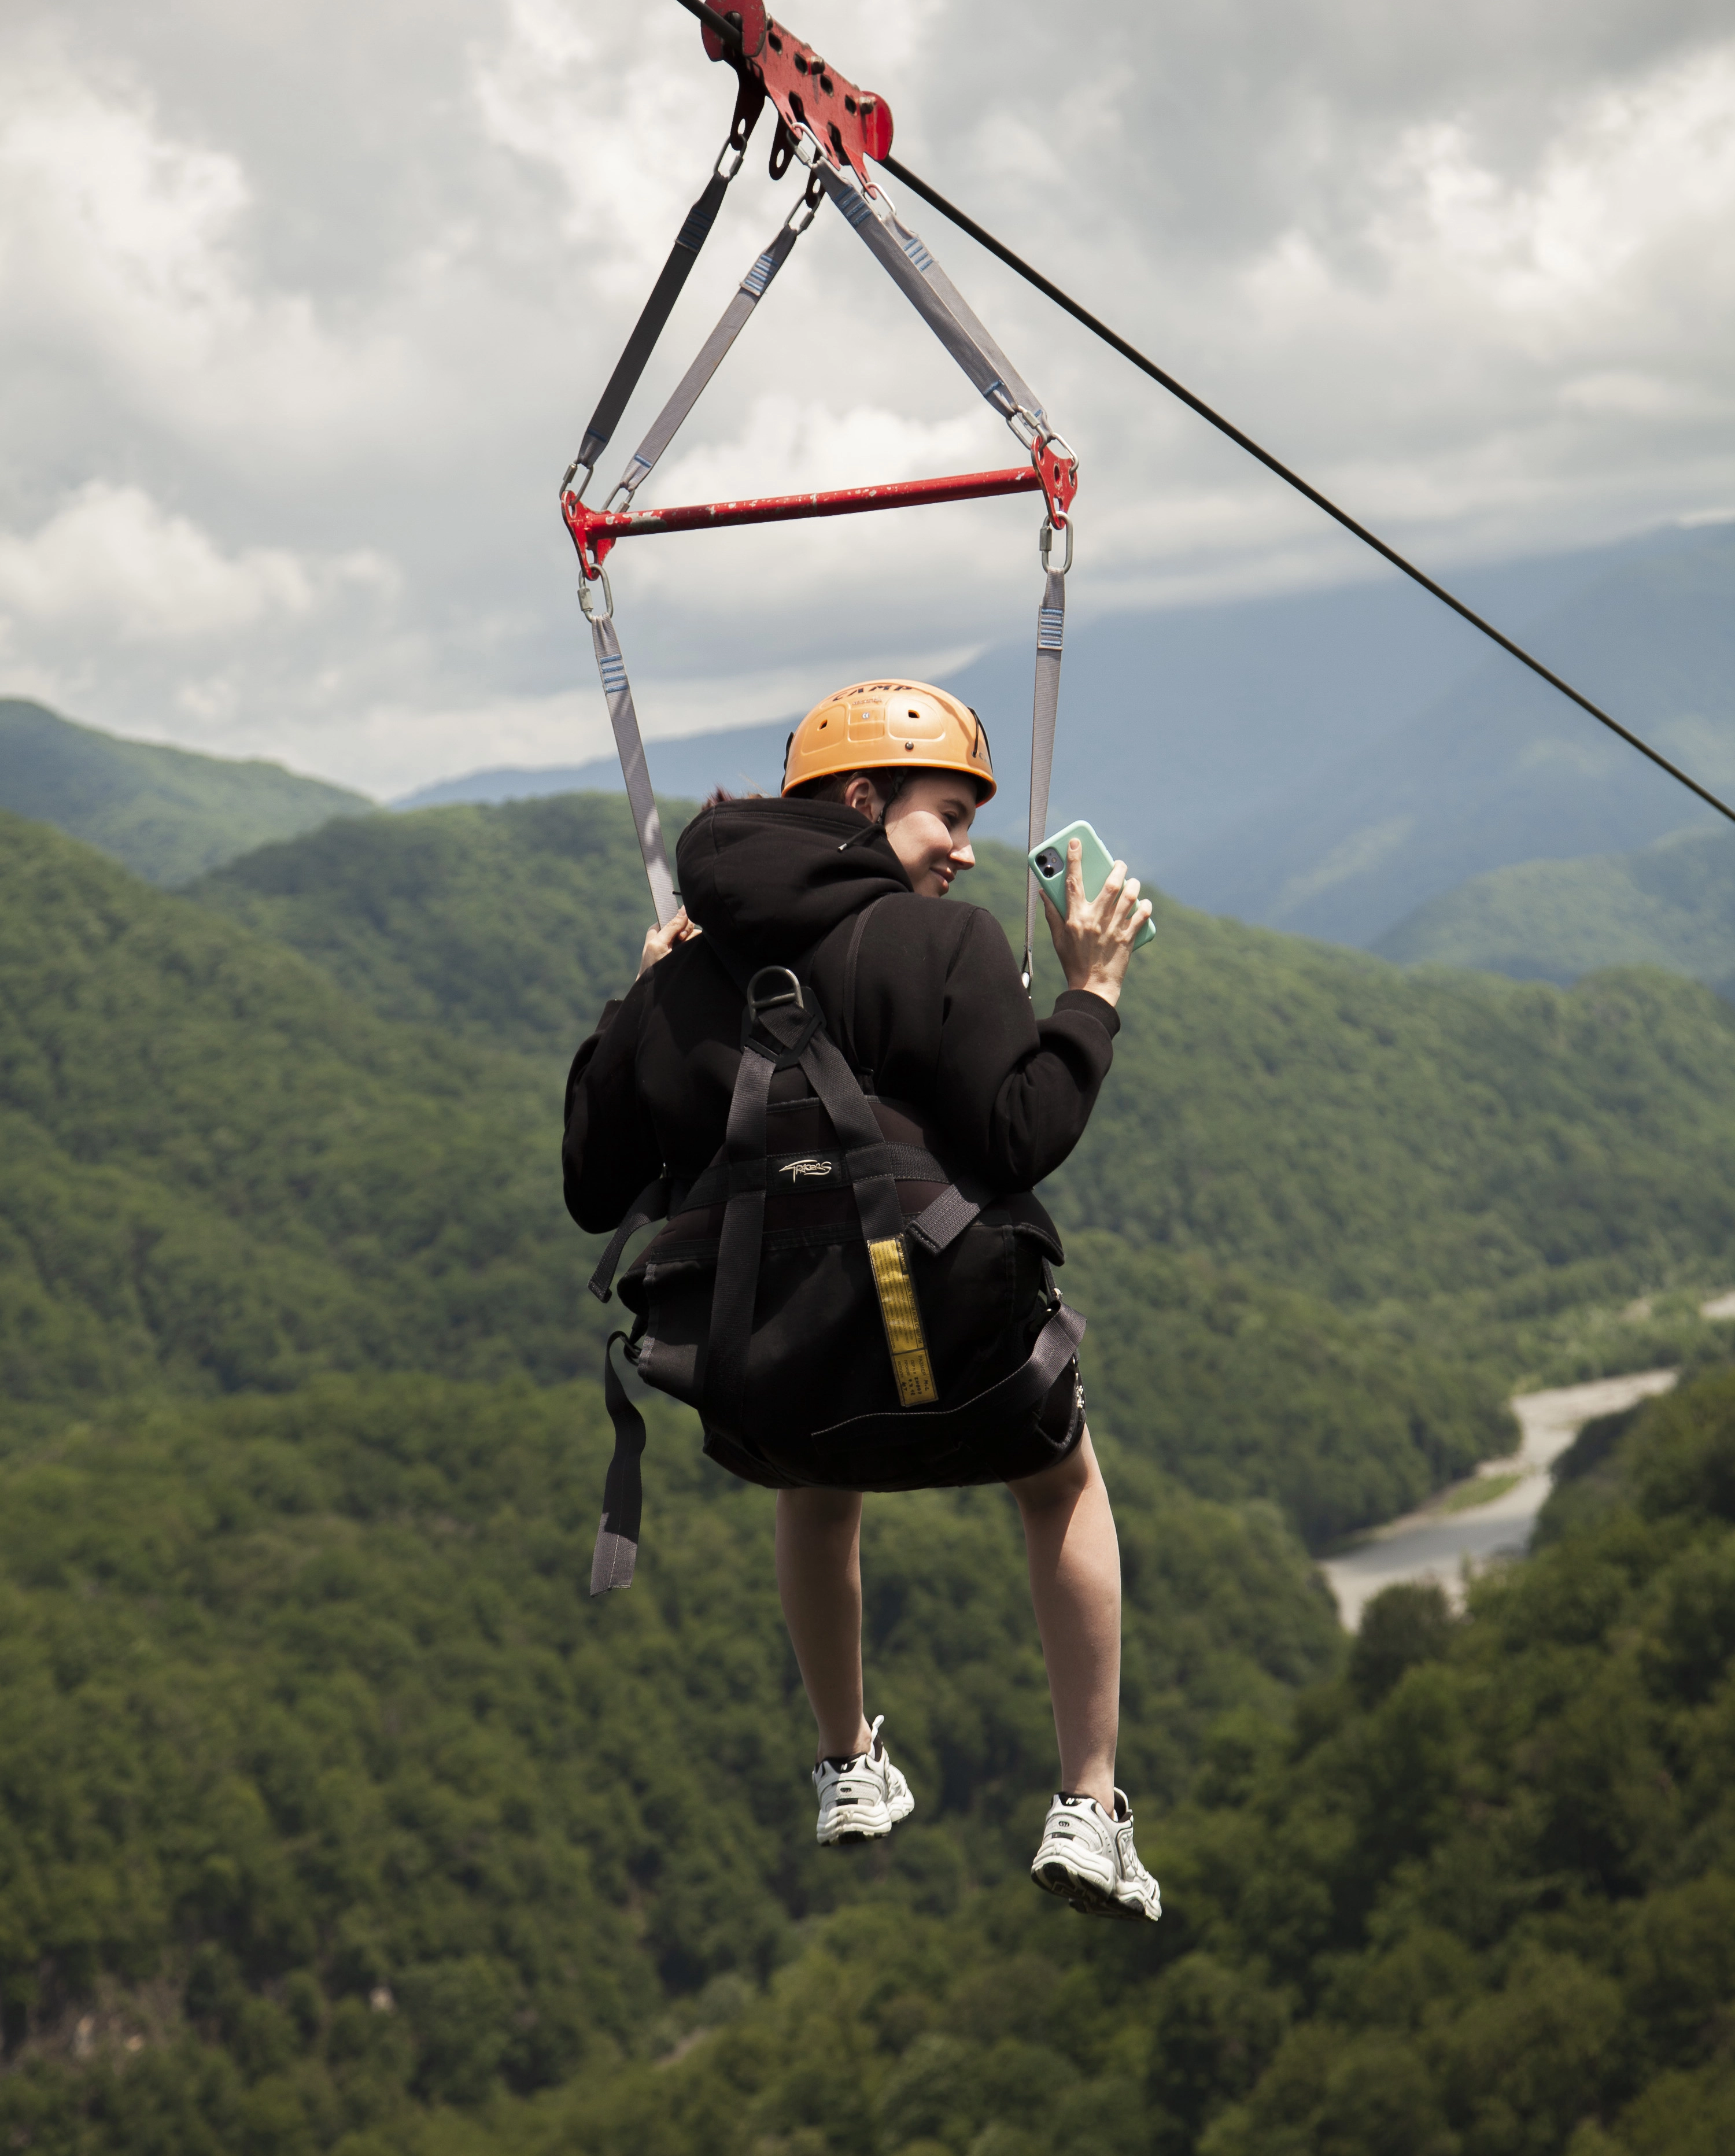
(771, 877)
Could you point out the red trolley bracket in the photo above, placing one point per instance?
(850, 124)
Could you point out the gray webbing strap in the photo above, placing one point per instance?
(1050, 634)
(624, 719)
(938, 1226)
(934, 297)
(691, 386)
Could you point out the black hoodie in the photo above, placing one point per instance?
(939, 1017)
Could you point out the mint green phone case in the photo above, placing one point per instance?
(1048, 865)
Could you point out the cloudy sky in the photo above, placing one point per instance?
(302, 311)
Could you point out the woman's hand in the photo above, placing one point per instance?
(1094, 942)
(659, 942)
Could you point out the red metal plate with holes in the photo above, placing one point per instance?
(1059, 478)
(596, 531)
(852, 125)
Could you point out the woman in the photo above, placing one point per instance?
(882, 783)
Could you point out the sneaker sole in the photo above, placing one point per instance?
(1089, 1896)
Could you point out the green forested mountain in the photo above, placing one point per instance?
(1672, 905)
(167, 813)
(329, 1807)
(1475, 1896)
(335, 1818)
(221, 1172)
(511, 925)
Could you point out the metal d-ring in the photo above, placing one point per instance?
(792, 994)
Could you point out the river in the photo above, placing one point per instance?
(1459, 1531)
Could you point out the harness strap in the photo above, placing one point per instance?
(934, 297)
(749, 103)
(725, 1374)
(882, 1219)
(1050, 635)
(692, 384)
(652, 1203)
(629, 742)
(617, 1547)
(851, 958)
(938, 1226)
(816, 1171)
(1025, 1389)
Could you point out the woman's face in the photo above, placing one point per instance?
(928, 825)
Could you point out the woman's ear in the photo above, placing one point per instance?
(863, 796)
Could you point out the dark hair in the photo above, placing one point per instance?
(888, 784)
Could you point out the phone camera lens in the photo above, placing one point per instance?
(1049, 862)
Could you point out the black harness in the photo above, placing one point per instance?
(783, 1029)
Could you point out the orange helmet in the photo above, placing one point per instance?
(882, 726)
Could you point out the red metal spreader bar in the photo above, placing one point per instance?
(596, 531)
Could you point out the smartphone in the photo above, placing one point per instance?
(1048, 865)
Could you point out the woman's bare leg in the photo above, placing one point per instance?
(1074, 1563)
(818, 1545)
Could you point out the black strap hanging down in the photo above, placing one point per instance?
(617, 1549)
(749, 103)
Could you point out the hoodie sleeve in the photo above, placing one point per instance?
(610, 1149)
(1015, 1092)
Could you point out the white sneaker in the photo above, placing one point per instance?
(1088, 1859)
(863, 1800)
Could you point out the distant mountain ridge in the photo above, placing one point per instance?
(1501, 769)
(1671, 905)
(166, 814)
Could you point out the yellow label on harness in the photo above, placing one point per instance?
(910, 1362)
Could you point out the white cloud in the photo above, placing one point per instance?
(111, 559)
(301, 316)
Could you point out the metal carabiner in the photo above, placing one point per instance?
(808, 208)
(1045, 543)
(587, 603)
(1027, 429)
(577, 465)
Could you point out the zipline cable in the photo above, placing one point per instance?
(1198, 404)
(730, 32)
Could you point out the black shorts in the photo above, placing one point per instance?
(1052, 1435)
